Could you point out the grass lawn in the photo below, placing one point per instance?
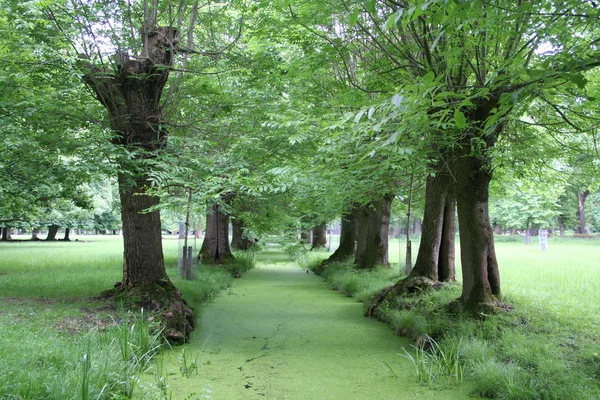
(57, 339)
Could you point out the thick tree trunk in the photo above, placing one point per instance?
(131, 93)
(143, 262)
(581, 198)
(52, 231)
(319, 237)
(481, 278)
(372, 234)
(435, 259)
(347, 246)
(66, 238)
(215, 247)
(239, 237)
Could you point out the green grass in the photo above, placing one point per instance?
(548, 347)
(58, 341)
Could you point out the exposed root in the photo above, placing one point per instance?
(480, 310)
(166, 304)
(403, 287)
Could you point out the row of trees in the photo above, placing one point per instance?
(274, 114)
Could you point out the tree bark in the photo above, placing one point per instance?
(435, 258)
(447, 259)
(239, 237)
(52, 231)
(215, 247)
(372, 234)
(481, 277)
(319, 237)
(581, 198)
(143, 262)
(347, 246)
(66, 238)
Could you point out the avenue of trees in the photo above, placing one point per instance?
(278, 117)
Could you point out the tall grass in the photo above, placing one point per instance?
(59, 341)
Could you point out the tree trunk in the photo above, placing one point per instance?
(131, 93)
(239, 238)
(215, 247)
(143, 262)
(52, 231)
(372, 234)
(34, 234)
(581, 197)
(66, 238)
(481, 278)
(561, 225)
(319, 237)
(446, 262)
(347, 246)
(6, 234)
(435, 258)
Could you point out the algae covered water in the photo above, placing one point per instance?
(281, 333)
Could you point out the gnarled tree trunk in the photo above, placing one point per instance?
(372, 234)
(131, 94)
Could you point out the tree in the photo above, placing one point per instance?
(131, 89)
(477, 66)
(215, 247)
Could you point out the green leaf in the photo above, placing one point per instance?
(353, 18)
(370, 6)
(459, 119)
(371, 112)
(578, 79)
(391, 22)
(359, 115)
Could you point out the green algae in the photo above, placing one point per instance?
(281, 333)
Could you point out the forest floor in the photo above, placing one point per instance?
(280, 333)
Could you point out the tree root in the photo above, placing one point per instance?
(403, 287)
(165, 304)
